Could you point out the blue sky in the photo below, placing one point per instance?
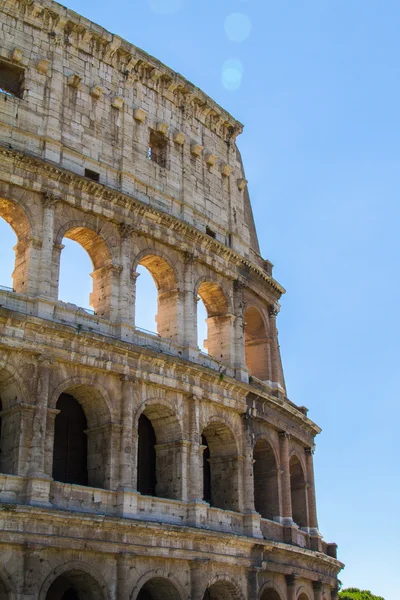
(317, 85)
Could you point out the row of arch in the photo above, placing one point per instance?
(79, 581)
(81, 453)
(167, 285)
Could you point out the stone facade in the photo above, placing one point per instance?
(102, 144)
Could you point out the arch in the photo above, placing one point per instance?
(164, 444)
(298, 492)
(12, 396)
(92, 395)
(220, 445)
(98, 433)
(223, 589)
(256, 343)
(81, 577)
(219, 320)
(157, 587)
(70, 442)
(265, 477)
(269, 591)
(166, 282)
(98, 249)
(7, 589)
(302, 595)
(18, 220)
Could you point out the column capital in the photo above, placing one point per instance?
(284, 435)
(49, 199)
(239, 285)
(309, 451)
(273, 310)
(291, 579)
(125, 230)
(317, 586)
(189, 258)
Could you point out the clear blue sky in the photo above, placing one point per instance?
(317, 85)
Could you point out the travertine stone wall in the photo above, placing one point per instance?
(91, 101)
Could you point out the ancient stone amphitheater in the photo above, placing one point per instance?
(135, 466)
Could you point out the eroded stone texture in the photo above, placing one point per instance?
(102, 144)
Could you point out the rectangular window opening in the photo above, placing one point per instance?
(210, 232)
(11, 79)
(92, 175)
(157, 150)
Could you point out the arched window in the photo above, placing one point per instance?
(166, 317)
(221, 456)
(70, 442)
(159, 456)
(201, 325)
(10, 424)
(90, 270)
(298, 492)
(256, 344)
(158, 588)
(15, 246)
(266, 492)
(82, 450)
(206, 471)
(219, 322)
(270, 594)
(146, 479)
(8, 241)
(75, 284)
(75, 585)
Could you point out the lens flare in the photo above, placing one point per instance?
(237, 27)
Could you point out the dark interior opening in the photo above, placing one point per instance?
(11, 78)
(146, 481)
(206, 471)
(70, 442)
(210, 232)
(92, 175)
(157, 150)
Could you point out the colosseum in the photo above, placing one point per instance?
(134, 465)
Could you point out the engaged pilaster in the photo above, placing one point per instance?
(278, 380)
(285, 478)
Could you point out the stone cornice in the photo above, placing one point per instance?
(141, 209)
(70, 29)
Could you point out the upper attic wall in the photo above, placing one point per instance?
(90, 100)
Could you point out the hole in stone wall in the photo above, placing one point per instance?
(157, 150)
(210, 232)
(75, 283)
(11, 79)
(92, 175)
(8, 240)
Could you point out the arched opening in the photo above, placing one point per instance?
(11, 424)
(219, 322)
(82, 438)
(75, 585)
(222, 472)
(158, 588)
(70, 442)
(206, 470)
(298, 492)
(15, 247)
(256, 344)
(8, 241)
(270, 594)
(86, 274)
(266, 492)
(146, 477)
(159, 457)
(221, 590)
(165, 318)
(3, 591)
(201, 325)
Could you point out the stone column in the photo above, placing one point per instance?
(126, 299)
(317, 589)
(126, 451)
(252, 525)
(46, 258)
(189, 308)
(291, 587)
(334, 593)
(124, 583)
(241, 371)
(312, 505)
(198, 578)
(276, 363)
(285, 478)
